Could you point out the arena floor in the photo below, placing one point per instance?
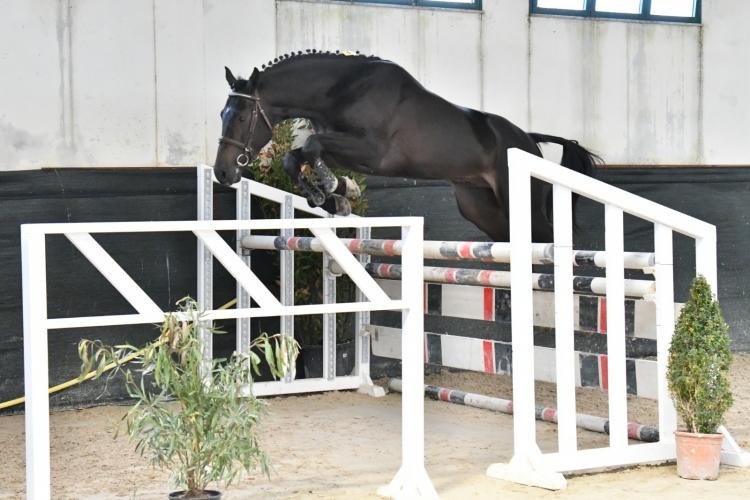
(346, 445)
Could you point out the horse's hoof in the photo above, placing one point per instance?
(326, 180)
(343, 207)
(352, 188)
(316, 200)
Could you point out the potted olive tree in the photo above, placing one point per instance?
(699, 361)
(195, 417)
(308, 271)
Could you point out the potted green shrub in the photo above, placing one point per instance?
(308, 272)
(195, 417)
(699, 361)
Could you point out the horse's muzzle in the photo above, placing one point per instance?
(228, 176)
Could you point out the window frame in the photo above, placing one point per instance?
(476, 5)
(590, 12)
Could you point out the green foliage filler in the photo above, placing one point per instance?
(212, 432)
(699, 362)
(308, 271)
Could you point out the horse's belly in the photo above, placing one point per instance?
(461, 170)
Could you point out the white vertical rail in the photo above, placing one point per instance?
(522, 318)
(36, 370)
(705, 259)
(362, 342)
(663, 273)
(617, 374)
(243, 298)
(287, 277)
(329, 320)
(412, 480)
(205, 258)
(564, 339)
(412, 366)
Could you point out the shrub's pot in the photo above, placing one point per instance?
(209, 495)
(312, 358)
(698, 455)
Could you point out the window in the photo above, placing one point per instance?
(448, 4)
(683, 11)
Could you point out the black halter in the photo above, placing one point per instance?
(253, 122)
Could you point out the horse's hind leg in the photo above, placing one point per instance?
(479, 206)
(293, 161)
(541, 229)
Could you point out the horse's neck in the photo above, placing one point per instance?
(295, 91)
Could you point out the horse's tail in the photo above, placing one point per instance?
(574, 157)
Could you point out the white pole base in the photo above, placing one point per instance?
(735, 459)
(522, 474)
(372, 390)
(731, 453)
(420, 489)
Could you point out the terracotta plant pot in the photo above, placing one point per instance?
(698, 455)
(209, 495)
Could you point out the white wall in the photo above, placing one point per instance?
(141, 83)
(726, 82)
(34, 121)
(440, 47)
(628, 90)
(121, 83)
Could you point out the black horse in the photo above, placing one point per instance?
(372, 117)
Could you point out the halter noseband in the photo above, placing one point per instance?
(253, 122)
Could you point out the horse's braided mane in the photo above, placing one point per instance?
(283, 59)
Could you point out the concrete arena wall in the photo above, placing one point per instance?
(140, 83)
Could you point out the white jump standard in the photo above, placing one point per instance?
(529, 465)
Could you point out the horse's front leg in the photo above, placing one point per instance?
(339, 151)
(293, 161)
(330, 184)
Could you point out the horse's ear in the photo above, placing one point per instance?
(231, 80)
(254, 77)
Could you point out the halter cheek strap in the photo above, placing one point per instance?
(258, 111)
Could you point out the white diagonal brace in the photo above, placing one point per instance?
(111, 270)
(237, 268)
(350, 265)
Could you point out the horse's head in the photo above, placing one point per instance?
(245, 129)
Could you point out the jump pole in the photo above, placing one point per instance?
(502, 279)
(638, 432)
(461, 276)
(541, 253)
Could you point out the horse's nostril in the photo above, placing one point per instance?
(223, 175)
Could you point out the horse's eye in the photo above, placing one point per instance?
(243, 118)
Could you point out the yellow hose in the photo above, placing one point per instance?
(91, 374)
